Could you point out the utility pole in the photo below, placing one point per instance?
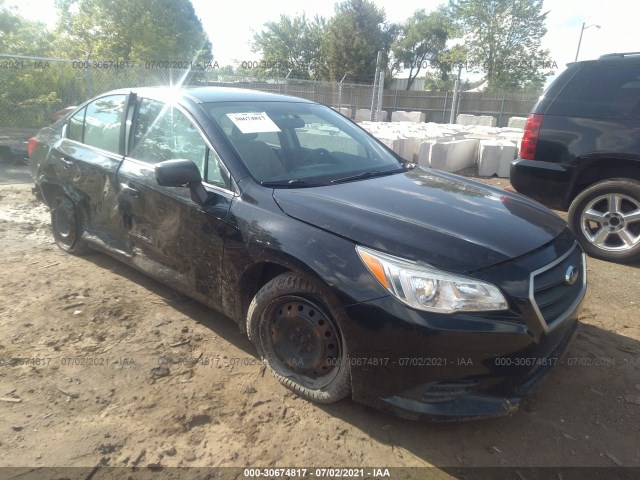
(375, 87)
(340, 91)
(581, 32)
(380, 97)
(456, 96)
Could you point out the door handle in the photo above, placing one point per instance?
(66, 163)
(132, 192)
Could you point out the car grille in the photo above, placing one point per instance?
(553, 293)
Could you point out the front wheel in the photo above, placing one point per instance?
(297, 336)
(606, 220)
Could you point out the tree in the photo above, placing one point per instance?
(29, 90)
(132, 30)
(421, 42)
(21, 36)
(503, 39)
(353, 38)
(290, 45)
(434, 82)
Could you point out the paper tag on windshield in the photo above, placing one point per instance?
(253, 122)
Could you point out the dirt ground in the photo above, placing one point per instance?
(101, 365)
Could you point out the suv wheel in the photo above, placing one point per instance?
(298, 338)
(606, 219)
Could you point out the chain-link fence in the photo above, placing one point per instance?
(33, 89)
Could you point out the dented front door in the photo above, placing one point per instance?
(171, 237)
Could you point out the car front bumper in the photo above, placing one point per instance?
(421, 365)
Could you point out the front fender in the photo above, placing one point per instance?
(262, 241)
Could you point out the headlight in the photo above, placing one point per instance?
(426, 288)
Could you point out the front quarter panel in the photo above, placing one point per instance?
(259, 233)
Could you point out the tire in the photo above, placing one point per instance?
(298, 338)
(606, 219)
(66, 226)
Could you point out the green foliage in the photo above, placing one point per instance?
(290, 45)
(102, 30)
(132, 30)
(26, 93)
(29, 95)
(20, 36)
(353, 37)
(225, 73)
(422, 43)
(503, 40)
(435, 82)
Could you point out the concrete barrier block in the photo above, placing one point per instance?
(363, 115)
(454, 155)
(486, 120)
(488, 156)
(495, 157)
(465, 119)
(409, 147)
(517, 122)
(390, 142)
(509, 153)
(403, 116)
(424, 153)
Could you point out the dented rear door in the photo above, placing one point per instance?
(88, 158)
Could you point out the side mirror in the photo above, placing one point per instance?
(182, 173)
(177, 173)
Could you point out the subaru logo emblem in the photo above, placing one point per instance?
(571, 275)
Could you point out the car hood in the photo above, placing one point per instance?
(425, 215)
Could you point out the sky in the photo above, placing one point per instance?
(231, 28)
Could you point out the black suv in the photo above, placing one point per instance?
(581, 153)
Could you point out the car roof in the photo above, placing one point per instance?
(212, 94)
(610, 59)
(625, 55)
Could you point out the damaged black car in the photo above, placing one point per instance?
(353, 272)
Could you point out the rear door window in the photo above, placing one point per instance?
(102, 123)
(601, 91)
(76, 125)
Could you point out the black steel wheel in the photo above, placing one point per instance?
(298, 337)
(66, 226)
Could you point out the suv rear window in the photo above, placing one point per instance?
(601, 91)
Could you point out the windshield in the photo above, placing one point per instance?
(291, 145)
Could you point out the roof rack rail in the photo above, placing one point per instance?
(621, 54)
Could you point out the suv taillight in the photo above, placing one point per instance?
(530, 137)
(33, 142)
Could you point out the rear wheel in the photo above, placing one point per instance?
(606, 220)
(66, 226)
(297, 336)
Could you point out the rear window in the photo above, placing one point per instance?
(601, 91)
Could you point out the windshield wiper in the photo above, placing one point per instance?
(368, 174)
(293, 183)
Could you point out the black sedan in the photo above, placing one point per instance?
(353, 272)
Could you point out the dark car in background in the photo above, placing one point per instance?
(354, 273)
(581, 153)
